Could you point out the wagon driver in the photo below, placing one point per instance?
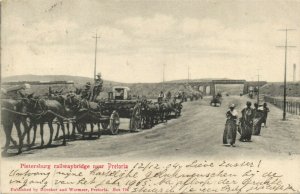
(86, 93)
(98, 86)
(161, 96)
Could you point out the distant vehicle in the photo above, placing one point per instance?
(216, 101)
(251, 94)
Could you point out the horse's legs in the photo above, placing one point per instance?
(42, 134)
(83, 128)
(27, 128)
(162, 117)
(78, 125)
(151, 121)
(7, 129)
(92, 130)
(51, 132)
(99, 132)
(13, 141)
(57, 132)
(63, 130)
(73, 130)
(18, 127)
(34, 133)
(68, 128)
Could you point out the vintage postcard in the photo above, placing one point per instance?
(150, 96)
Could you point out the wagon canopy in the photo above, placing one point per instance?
(120, 92)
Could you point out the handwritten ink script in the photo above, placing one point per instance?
(149, 177)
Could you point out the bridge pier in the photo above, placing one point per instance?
(209, 87)
(212, 89)
(246, 89)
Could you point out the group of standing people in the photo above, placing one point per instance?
(249, 124)
(162, 96)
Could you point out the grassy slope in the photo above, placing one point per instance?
(152, 89)
(276, 89)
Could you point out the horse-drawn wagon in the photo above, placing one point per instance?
(72, 109)
(121, 105)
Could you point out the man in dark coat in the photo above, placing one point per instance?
(86, 93)
(266, 110)
(98, 87)
(247, 123)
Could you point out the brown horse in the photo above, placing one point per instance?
(150, 113)
(66, 101)
(44, 111)
(85, 112)
(9, 117)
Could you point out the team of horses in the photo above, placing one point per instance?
(70, 113)
(155, 112)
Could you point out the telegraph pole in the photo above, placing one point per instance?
(258, 86)
(164, 66)
(294, 73)
(95, 65)
(285, 61)
(188, 73)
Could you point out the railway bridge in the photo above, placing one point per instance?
(209, 87)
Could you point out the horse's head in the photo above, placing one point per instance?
(78, 91)
(146, 105)
(178, 105)
(72, 101)
(32, 103)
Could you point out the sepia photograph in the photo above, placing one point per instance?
(150, 96)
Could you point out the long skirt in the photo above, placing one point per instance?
(229, 134)
(246, 131)
(257, 125)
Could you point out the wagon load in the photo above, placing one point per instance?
(120, 105)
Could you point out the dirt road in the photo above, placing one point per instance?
(197, 133)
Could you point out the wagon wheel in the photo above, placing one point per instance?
(136, 118)
(104, 125)
(81, 127)
(177, 112)
(114, 123)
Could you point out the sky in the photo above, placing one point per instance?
(216, 39)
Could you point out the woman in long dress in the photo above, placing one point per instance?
(247, 123)
(258, 119)
(229, 134)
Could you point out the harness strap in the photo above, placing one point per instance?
(15, 112)
(59, 116)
